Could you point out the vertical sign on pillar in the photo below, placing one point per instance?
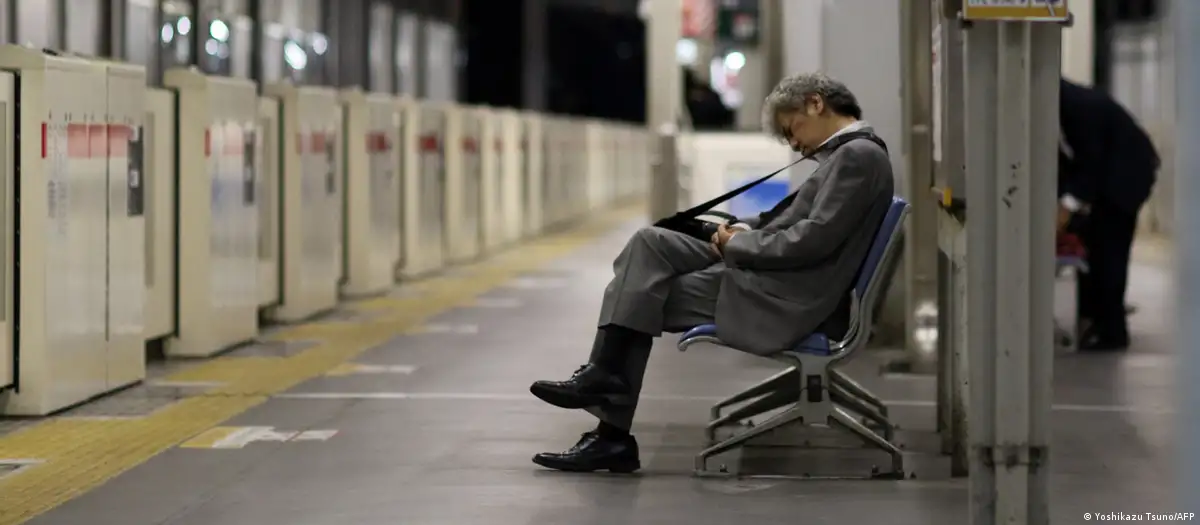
(249, 168)
(936, 123)
(523, 130)
(327, 147)
(134, 152)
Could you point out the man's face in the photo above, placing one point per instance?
(803, 128)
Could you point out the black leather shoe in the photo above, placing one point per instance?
(594, 453)
(590, 386)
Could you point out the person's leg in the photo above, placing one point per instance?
(1109, 328)
(631, 313)
(618, 361)
(1085, 285)
(642, 277)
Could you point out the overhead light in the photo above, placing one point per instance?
(735, 61)
(219, 30)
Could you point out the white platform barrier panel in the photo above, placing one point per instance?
(510, 165)
(312, 204)
(269, 186)
(58, 265)
(463, 217)
(492, 190)
(159, 179)
(424, 190)
(217, 211)
(534, 170)
(127, 241)
(373, 127)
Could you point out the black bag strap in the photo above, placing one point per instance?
(835, 143)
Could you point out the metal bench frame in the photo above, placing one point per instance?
(819, 395)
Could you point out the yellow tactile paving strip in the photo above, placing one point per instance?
(78, 455)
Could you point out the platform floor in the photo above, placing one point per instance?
(413, 409)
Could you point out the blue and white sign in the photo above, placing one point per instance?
(759, 198)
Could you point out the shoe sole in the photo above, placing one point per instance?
(621, 467)
(574, 401)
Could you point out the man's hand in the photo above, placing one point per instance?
(1064, 216)
(724, 232)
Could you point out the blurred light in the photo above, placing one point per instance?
(735, 61)
(295, 55)
(925, 333)
(319, 44)
(168, 33)
(686, 52)
(184, 25)
(211, 47)
(219, 30)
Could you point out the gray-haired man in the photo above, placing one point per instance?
(766, 285)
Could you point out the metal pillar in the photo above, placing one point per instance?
(1186, 15)
(664, 99)
(1011, 109)
(664, 175)
(950, 182)
(920, 251)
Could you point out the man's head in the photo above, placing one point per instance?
(804, 110)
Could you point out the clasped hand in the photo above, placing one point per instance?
(720, 237)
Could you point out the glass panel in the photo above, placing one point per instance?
(379, 49)
(295, 57)
(272, 52)
(441, 62)
(215, 56)
(407, 31)
(37, 23)
(5, 15)
(142, 36)
(242, 46)
(318, 49)
(83, 22)
(176, 35)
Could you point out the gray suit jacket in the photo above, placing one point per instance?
(786, 277)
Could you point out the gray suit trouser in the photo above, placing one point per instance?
(663, 281)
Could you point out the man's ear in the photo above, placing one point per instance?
(815, 106)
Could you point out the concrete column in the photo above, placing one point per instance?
(1185, 14)
(665, 83)
(1012, 118)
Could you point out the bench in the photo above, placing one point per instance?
(818, 394)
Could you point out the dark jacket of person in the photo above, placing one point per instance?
(704, 105)
(1112, 157)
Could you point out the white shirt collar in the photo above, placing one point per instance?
(849, 128)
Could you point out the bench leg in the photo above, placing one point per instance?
(787, 394)
(845, 399)
(854, 388)
(779, 420)
(780, 380)
(841, 418)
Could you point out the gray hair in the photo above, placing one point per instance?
(793, 92)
